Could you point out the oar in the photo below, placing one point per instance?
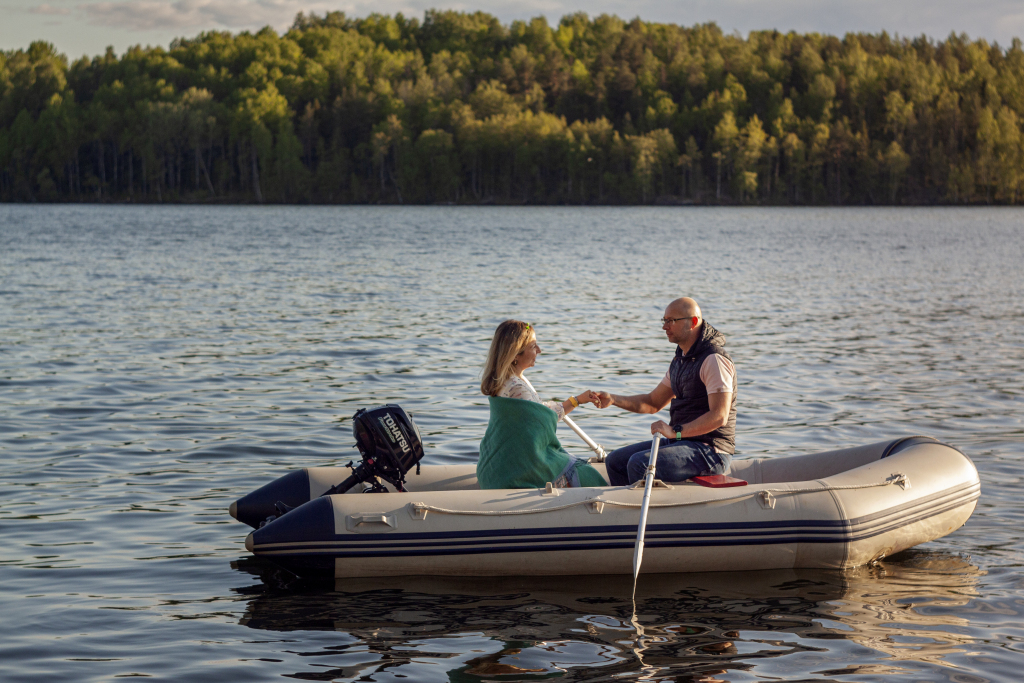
(596, 447)
(638, 551)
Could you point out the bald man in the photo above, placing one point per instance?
(701, 386)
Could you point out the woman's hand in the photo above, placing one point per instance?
(662, 427)
(589, 396)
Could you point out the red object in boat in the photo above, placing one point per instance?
(719, 481)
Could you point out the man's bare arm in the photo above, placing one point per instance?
(641, 403)
(717, 416)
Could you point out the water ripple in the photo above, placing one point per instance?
(157, 363)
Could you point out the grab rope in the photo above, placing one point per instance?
(764, 494)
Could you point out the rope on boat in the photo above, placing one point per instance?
(765, 495)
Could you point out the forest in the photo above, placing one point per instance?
(460, 108)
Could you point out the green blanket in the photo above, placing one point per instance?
(520, 450)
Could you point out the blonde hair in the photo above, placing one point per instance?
(510, 339)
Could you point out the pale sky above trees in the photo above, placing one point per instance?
(79, 27)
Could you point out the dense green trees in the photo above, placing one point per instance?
(459, 108)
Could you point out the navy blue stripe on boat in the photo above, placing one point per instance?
(284, 535)
(659, 535)
(562, 534)
(572, 535)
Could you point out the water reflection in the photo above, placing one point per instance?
(695, 627)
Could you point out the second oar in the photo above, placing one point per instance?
(638, 550)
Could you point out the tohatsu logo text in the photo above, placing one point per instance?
(394, 432)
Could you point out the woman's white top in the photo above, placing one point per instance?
(520, 387)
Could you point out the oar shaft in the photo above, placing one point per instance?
(594, 446)
(638, 551)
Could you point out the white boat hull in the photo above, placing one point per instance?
(828, 510)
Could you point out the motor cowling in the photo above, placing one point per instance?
(389, 442)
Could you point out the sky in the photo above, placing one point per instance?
(87, 27)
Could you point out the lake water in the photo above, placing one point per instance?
(156, 363)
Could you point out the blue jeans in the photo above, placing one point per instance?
(677, 461)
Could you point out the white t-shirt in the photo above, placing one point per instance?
(717, 373)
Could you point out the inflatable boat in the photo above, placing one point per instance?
(836, 509)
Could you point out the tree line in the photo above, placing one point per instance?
(461, 108)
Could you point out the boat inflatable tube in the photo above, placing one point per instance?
(836, 510)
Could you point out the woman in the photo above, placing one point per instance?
(520, 448)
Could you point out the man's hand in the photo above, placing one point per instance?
(662, 427)
(641, 403)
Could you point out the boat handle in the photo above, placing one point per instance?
(370, 522)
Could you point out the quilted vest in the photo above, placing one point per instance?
(691, 399)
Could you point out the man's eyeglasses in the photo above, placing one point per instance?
(669, 321)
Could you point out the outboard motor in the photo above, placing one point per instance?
(390, 444)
